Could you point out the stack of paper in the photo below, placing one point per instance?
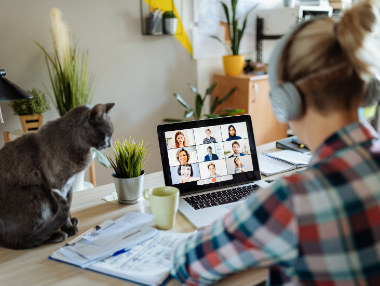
(125, 248)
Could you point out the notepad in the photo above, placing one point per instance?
(147, 263)
(146, 258)
(282, 161)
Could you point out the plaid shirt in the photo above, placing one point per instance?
(320, 227)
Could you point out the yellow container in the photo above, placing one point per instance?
(233, 65)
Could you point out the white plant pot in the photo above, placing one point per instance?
(170, 26)
(80, 184)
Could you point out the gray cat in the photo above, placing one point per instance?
(37, 172)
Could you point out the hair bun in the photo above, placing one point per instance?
(356, 33)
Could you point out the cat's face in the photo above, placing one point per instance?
(101, 124)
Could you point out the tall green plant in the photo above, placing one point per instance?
(235, 33)
(199, 102)
(129, 158)
(68, 71)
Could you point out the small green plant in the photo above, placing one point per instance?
(129, 158)
(199, 102)
(31, 106)
(168, 14)
(235, 33)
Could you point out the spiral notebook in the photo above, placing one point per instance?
(282, 161)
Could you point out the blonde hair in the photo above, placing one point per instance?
(332, 62)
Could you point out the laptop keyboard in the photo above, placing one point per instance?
(221, 197)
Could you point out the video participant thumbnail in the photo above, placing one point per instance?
(236, 131)
(213, 169)
(182, 156)
(179, 138)
(210, 152)
(207, 135)
(238, 165)
(185, 173)
(237, 148)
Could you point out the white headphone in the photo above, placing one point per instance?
(285, 99)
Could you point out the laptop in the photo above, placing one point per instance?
(212, 162)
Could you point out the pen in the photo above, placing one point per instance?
(95, 228)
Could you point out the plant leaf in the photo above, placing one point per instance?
(227, 96)
(224, 44)
(188, 113)
(214, 104)
(181, 100)
(241, 32)
(211, 115)
(198, 105)
(231, 112)
(210, 89)
(172, 120)
(194, 89)
(225, 8)
(102, 158)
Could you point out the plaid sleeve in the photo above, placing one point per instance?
(260, 232)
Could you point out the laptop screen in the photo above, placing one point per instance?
(205, 154)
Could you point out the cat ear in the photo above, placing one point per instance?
(96, 113)
(109, 106)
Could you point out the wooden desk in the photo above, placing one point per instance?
(32, 267)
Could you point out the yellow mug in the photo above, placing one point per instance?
(164, 205)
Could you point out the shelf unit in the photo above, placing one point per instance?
(145, 17)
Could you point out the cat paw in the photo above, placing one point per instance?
(71, 230)
(57, 236)
(74, 221)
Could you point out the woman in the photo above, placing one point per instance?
(232, 133)
(239, 167)
(186, 173)
(183, 156)
(320, 227)
(180, 140)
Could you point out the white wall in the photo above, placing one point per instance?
(140, 73)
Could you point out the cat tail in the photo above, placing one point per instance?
(49, 227)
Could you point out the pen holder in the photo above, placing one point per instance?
(154, 27)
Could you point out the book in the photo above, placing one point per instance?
(287, 144)
(282, 161)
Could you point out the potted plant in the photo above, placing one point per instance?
(128, 166)
(233, 63)
(170, 23)
(67, 68)
(31, 110)
(199, 102)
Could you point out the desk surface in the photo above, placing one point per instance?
(32, 267)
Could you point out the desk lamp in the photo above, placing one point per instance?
(10, 91)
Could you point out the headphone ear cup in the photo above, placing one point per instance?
(286, 102)
(372, 95)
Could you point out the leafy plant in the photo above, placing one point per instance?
(68, 71)
(129, 158)
(199, 102)
(31, 106)
(235, 33)
(168, 14)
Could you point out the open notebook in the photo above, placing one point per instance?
(282, 161)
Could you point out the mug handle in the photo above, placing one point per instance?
(146, 194)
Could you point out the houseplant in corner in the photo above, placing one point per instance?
(128, 166)
(31, 110)
(234, 63)
(199, 102)
(170, 23)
